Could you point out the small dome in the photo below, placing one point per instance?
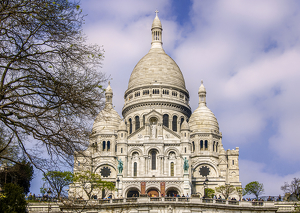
(185, 126)
(108, 88)
(203, 120)
(156, 23)
(107, 121)
(122, 126)
(201, 88)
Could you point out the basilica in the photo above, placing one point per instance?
(159, 147)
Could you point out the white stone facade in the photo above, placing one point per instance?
(157, 134)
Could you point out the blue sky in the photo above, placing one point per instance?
(247, 53)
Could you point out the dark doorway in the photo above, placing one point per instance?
(133, 193)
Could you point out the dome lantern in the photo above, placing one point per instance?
(202, 95)
(156, 32)
(108, 95)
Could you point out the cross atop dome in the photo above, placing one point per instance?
(156, 11)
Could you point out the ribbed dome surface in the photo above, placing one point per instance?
(203, 120)
(107, 120)
(156, 68)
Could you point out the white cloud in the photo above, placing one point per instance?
(254, 171)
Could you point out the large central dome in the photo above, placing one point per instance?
(156, 68)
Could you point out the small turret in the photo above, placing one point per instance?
(108, 95)
(202, 95)
(156, 32)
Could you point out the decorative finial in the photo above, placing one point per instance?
(156, 11)
(201, 81)
(109, 83)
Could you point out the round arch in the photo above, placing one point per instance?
(153, 148)
(172, 191)
(135, 149)
(206, 163)
(153, 192)
(105, 163)
(132, 192)
(171, 149)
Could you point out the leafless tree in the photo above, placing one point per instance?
(50, 86)
(292, 188)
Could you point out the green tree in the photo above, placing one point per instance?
(57, 181)
(50, 86)
(254, 188)
(18, 173)
(209, 193)
(226, 190)
(13, 199)
(91, 182)
(241, 192)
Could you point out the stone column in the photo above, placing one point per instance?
(120, 186)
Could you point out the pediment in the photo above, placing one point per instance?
(169, 134)
(138, 134)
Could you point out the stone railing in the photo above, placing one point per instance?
(153, 201)
(194, 200)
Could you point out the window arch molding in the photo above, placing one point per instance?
(105, 163)
(171, 149)
(135, 149)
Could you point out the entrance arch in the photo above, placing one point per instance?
(153, 192)
(172, 192)
(133, 192)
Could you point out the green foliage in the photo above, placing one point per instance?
(13, 199)
(90, 182)
(254, 188)
(241, 192)
(19, 173)
(226, 190)
(57, 180)
(209, 193)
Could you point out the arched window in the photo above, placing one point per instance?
(201, 145)
(181, 121)
(135, 169)
(214, 146)
(174, 123)
(217, 144)
(144, 120)
(108, 145)
(153, 160)
(121, 150)
(130, 126)
(185, 150)
(103, 145)
(172, 168)
(116, 148)
(137, 122)
(206, 145)
(193, 146)
(166, 120)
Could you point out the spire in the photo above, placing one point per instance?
(156, 32)
(202, 95)
(108, 95)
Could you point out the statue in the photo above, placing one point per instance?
(186, 164)
(153, 131)
(120, 166)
